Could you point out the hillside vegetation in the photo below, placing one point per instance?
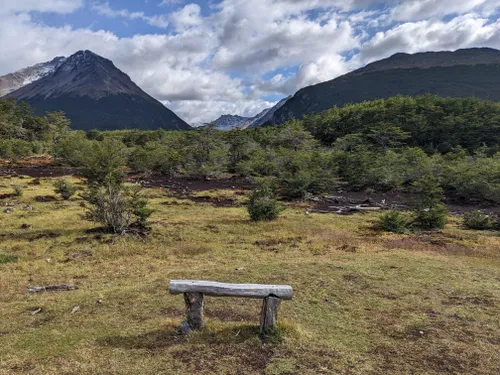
(385, 145)
(464, 73)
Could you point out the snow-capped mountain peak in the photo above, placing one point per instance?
(23, 77)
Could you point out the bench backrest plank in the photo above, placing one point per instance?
(211, 288)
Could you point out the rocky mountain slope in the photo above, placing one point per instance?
(23, 77)
(231, 122)
(95, 94)
(464, 73)
(268, 115)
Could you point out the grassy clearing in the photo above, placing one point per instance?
(364, 302)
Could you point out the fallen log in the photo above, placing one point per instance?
(50, 288)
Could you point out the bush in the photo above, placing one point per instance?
(102, 163)
(15, 149)
(431, 218)
(140, 207)
(263, 205)
(430, 213)
(478, 220)
(18, 190)
(395, 222)
(117, 208)
(64, 188)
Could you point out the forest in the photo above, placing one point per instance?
(382, 145)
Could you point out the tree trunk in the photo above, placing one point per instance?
(194, 310)
(269, 314)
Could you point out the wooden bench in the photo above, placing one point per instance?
(194, 291)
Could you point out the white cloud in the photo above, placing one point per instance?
(432, 35)
(171, 2)
(204, 66)
(187, 17)
(105, 10)
(411, 10)
(52, 6)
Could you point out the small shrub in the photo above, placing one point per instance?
(140, 207)
(64, 188)
(117, 208)
(395, 222)
(478, 220)
(263, 204)
(433, 218)
(18, 190)
(430, 213)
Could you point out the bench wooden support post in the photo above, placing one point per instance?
(194, 310)
(195, 290)
(269, 314)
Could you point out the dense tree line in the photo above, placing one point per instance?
(22, 133)
(437, 125)
(382, 145)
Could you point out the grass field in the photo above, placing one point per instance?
(364, 302)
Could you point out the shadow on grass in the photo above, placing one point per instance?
(213, 334)
(151, 340)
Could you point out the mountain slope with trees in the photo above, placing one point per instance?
(464, 73)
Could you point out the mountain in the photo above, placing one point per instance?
(269, 113)
(95, 94)
(231, 122)
(23, 77)
(464, 73)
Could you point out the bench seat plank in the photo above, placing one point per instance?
(211, 288)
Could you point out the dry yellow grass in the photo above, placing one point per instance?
(364, 302)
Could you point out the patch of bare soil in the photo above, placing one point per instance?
(35, 171)
(389, 200)
(46, 198)
(216, 201)
(184, 186)
(431, 242)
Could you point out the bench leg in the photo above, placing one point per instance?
(269, 315)
(194, 309)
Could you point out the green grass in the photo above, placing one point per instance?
(4, 259)
(364, 302)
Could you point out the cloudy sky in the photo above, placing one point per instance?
(206, 58)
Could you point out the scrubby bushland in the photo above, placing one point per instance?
(263, 204)
(395, 222)
(15, 149)
(22, 133)
(111, 204)
(478, 220)
(385, 145)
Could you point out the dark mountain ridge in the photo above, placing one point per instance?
(464, 73)
(95, 94)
